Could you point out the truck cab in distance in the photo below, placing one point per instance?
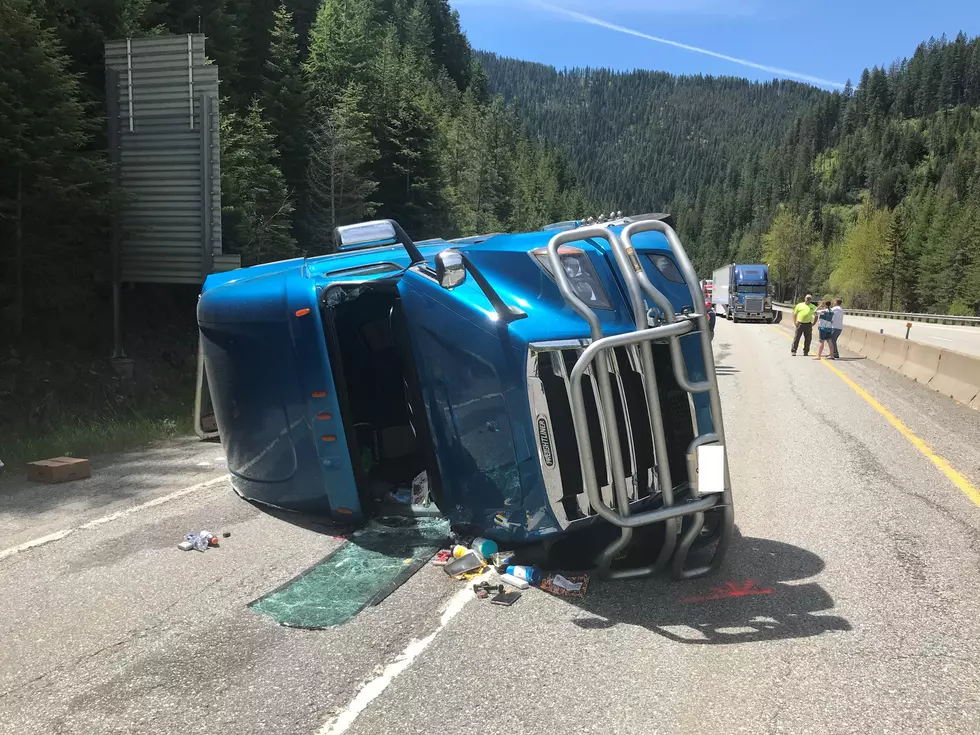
(742, 293)
(540, 387)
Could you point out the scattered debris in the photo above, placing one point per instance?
(201, 541)
(441, 558)
(560, 581)
(468, 562)
(571, 586)
(531, 574)
(459, 550)
(506, 598)
(514, 581)
(226, 534)
(485, 547)
(59, 469)
(483, 589)
(420, 489)
(402, 496)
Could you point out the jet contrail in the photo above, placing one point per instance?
(583, 18)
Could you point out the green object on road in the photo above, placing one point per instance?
(362, 572)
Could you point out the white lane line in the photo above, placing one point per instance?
(58, 535)
(373, 689)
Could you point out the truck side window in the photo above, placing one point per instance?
(667, 268)
(366, 270)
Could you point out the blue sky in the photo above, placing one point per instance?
(821, 41)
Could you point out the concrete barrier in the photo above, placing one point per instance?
(856, 342)
(921, 363)
(951, 373)
(873, 344)
(846, 337)
(958, 376)
(894, 352)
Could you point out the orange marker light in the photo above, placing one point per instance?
(319, 394)
(302, 312)
(324, 416)
(328, 438)
(345, 511)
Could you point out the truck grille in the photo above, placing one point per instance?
(549, 367)
(753, 303)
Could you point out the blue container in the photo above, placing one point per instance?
(531, 575)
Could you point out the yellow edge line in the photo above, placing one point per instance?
(958, 479)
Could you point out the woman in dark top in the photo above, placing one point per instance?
(825, 330)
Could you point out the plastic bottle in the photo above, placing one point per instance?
(532, 575)
(484, 547)
(202, 540)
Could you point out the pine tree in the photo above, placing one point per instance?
(51, 192)
(284, 100)
(256, 205)
(339, 184)
(342, 42)
(788, 247)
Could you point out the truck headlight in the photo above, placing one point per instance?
(580, 272)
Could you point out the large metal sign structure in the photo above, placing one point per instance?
(164, 135)
(164, 143)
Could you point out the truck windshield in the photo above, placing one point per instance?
(751, 289)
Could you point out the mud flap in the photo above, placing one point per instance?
(205, 425)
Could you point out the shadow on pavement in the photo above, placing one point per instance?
(723, 370)
(758, 595)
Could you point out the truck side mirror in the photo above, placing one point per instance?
(450, 269)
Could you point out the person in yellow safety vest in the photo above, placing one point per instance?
(803, 315)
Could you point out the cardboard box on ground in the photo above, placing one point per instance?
(58, 469)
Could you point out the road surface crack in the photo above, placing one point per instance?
(80, 660)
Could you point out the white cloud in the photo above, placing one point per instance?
(591, 20)
(647, 7)
(667, 7)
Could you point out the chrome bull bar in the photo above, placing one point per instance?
(672, 329)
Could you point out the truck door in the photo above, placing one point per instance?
(463, 358)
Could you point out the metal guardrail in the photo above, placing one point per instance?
(966, 321)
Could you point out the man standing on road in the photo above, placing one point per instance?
(838, 324)
(803, 315)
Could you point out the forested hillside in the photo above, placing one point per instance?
(881, 198)
(332, 111)
(871, 193)
(647, 140)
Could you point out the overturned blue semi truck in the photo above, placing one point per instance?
(549, 387)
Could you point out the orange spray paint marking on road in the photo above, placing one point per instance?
(732, 589)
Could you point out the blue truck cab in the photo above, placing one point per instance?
(745, 292)
(544, 385)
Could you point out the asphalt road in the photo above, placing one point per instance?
(947, 336)
(864, 554)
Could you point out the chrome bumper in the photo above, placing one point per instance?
(597, 359)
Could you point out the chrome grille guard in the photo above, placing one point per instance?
(674, 326)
